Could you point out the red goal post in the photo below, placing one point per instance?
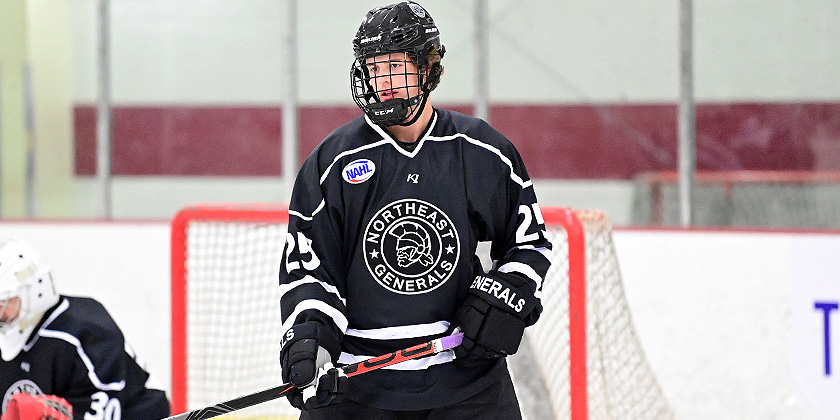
(225, 316)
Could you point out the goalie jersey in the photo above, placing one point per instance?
(79, 353)
(381, 247)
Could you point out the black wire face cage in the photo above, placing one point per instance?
(389, 88)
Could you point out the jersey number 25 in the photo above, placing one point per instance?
(304, 245)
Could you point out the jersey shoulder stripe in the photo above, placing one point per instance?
(513, 176)
(69, 337)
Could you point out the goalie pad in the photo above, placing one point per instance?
(24, 406)
(494, 316)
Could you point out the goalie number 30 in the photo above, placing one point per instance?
(304, 247)
(103, 407)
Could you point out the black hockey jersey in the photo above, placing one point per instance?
(79, 353)
(382, 244)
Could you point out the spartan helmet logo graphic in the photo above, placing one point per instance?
(413, 244)
(411, 247)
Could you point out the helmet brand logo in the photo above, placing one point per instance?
(431, 30)
(383, 112)
(370, 39)
(417, 9)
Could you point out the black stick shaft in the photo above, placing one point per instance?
(414, 352)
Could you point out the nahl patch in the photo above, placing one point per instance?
(358, 171)
(411, 247)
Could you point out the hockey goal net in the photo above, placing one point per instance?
(225, 320)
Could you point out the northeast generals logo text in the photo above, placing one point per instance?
(411, 247)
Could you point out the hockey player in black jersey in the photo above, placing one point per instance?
(67, 347)
(384, 222)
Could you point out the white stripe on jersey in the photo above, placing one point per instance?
(524, 269)
(336, 315)
(55, 314)
(542, 250)
(308, 218)
(400, 149)
(151, 382)
(403, 331)
(522, 183)
(350, 152)
(386, 139)
(113, 386)
(309, 279)
(415, 364)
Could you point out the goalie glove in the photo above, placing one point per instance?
(494, 316)
(24, 406)
(306, 356)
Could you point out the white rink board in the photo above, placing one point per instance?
(712, 309)
(715, 315)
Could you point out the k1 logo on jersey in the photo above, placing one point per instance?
(411, 247)
(358, 171)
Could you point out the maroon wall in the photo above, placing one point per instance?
(556, 141)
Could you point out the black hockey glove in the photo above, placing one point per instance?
(494, 316)
(306, 356)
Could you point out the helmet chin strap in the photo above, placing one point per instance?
(419, 109)
(395, 111)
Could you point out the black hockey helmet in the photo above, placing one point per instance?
(404, 27)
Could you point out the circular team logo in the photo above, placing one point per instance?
(417, 9)
(24, 385)
(411, 247)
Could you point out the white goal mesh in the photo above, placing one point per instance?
(225, 323)
(607, 376)
(231, 315)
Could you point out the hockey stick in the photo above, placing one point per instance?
(415, 352)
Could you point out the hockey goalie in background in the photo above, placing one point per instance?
(384, 221)
(64, 357)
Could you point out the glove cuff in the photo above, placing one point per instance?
(507, 292)
(312, 330)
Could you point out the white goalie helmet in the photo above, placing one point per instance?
(26, 292)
